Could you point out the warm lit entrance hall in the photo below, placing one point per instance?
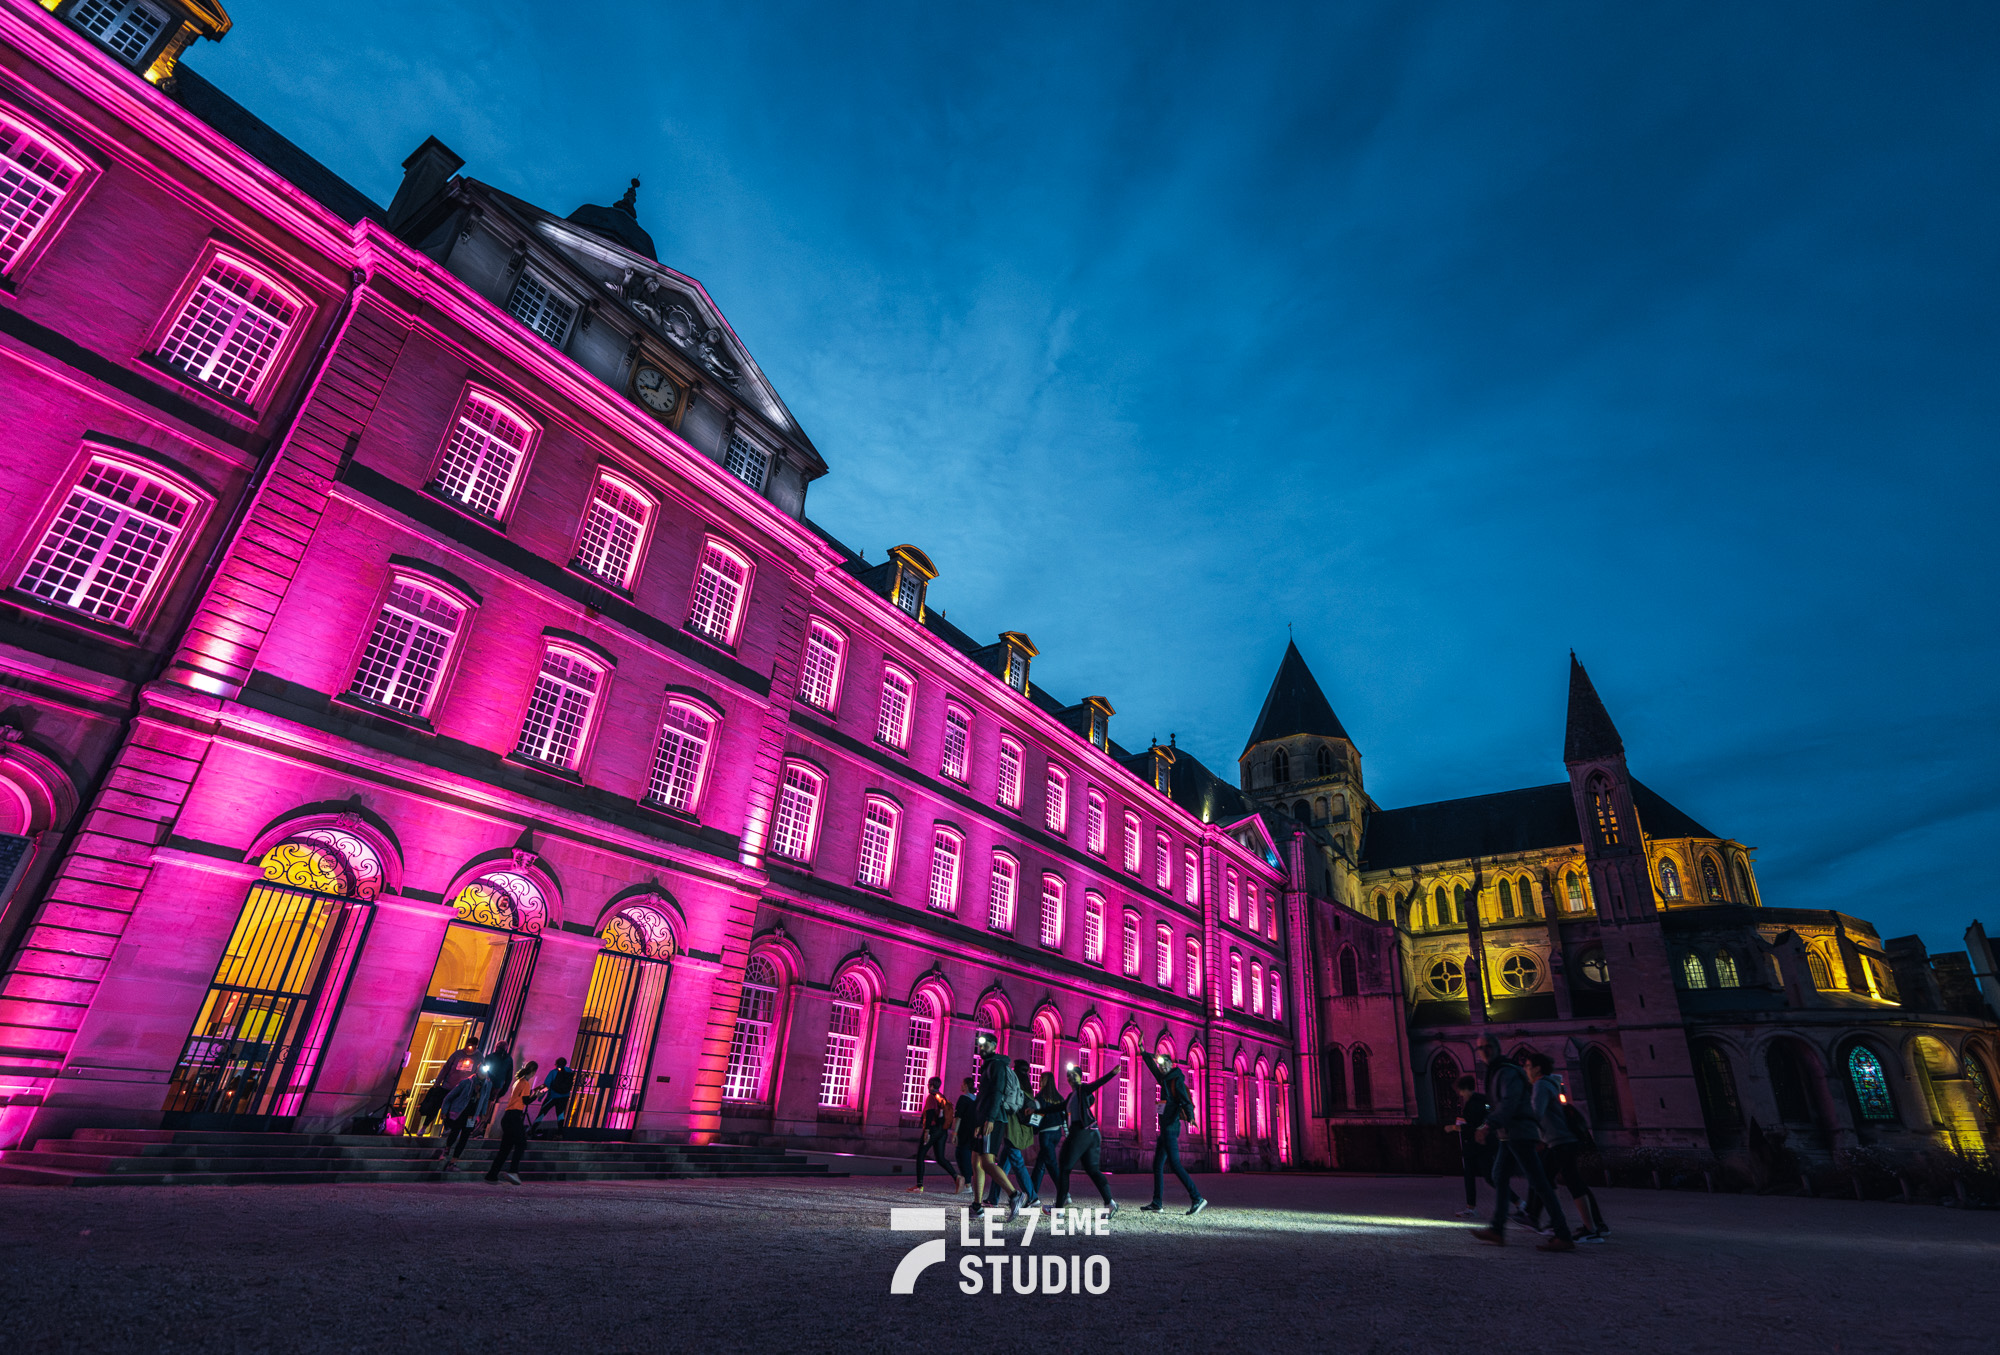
(1311, 1263)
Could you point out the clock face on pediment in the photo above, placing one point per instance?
(658, 391)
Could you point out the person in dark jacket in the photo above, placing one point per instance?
(1475, 1157)
(1051, 1112)
(1512, 1121)
(933, 1131)
(463, 1106)
(555, 1097)
(1020, 1137)
(989, 1145)
(499, 1069)
(1561, 1146)
(1176, 1107)
(1085, 1142)
(962, 1112)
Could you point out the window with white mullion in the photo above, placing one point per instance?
(747, 461)
(1055, 808)
(947, 853)
(750, 1046)
(1129, 952)
(538, 305)
(718, 594)
(1163, 864)
(1052, 911)
(559, 710)
(819, 671)
(797, 814)
(613, 526)
(878, 844)
(919, 1051)
(407, 650)
(1193, 967)
(1093, 927)
(843, 1045)
(127, 27)
(482, 455)
(34, 178)
(1163, 957)
(680, 758)
(957, 742)
(102, 554)
(1190, 877)
(229, 330)
(892, 722)
(1093, 824)
(1000, 893)
(1132, 843)
(1008, 775)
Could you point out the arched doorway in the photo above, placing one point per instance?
(1794, 1086)
(1721, 1110)
(614, 1040)
(1600, 1087)
(254, 1050)
(478, 984)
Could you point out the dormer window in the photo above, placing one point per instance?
(537, 304)
(128, 28)
(1020, 649)
(1099, 727)
(909, 578)
(748, 462)
(1163, 769)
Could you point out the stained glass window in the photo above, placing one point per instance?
(1670, 878)
(1871, 1088)
(919, 1053)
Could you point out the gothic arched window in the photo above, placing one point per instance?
(1711, 880)
(1574, 888)
(1281, 766)
(1822, 977)
(1440, 908)
(1506, 898)
(1725, 970)
(1324, 759)
(1692, 974)
(1604, 808)
(1350, 978)
(1742, 875)
(1871, 1088)
(1670, 878)
(1716, 1082)
(1527, 897)
(1458, 903)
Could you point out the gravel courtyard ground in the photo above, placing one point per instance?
(1278, 1265)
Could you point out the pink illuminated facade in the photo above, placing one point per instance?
(414, 634)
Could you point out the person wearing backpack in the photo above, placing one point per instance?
(1020, 1136)
(933, 1131)
(999, 1097)
(555, 1098)
(1176, 1109)
(1512, 1120)
(1085, 1142)
(1051, 1111)
(1561, 1147)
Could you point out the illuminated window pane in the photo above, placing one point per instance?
(559, 710)
(1871, 1088)
(1000, 893)
(819, 675)
(798, 813)
(229, 330)
(102, 554)
(718, 595)
(1052, 911)
(1163, 957)
(1130, 951)
(1093, 824)
(406, 653)
(946, 852)
(892, 721)
(1093, 928)
(1132, 843)
(1008, 774)
(536, 304)
(613, 526)
(750, 1046)
(33, 179)
(482, 456)
(957, 738)
(1193, 967)
(839, 1074)
(878, 844)
(1056, 806)
(919, 1050)
(680, 757)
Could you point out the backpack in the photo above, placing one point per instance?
(1577, 1125)
(1186, 1097)
(1010, 1097)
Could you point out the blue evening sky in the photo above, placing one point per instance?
(1455, 335)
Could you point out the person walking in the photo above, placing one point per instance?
(1021, 1135)
(462, 1108)
(1051, 1111)
(933, 1130)
(999, 1097)
(1176, 1108)
(430, 1107)
(1512, 1121)
(555, 1098)
(514, 1127)
(499, 1069)
(1475, 1157)
(1085, 1142)
(1561, 1147)
(962, 1112)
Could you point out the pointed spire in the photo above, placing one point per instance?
(1590, 734)
(1295, 704)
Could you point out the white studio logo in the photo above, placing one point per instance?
(998, 1273)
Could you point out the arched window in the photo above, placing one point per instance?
(1742, 877)
(1871, 1087)
(1319, 809)
(1711, 880)
(715, 612)
(1190, 878)
(621, 1016)
(1604, 808)
(1043, 1048)
(1670, 878)
(1364, 1087)
(482, 454)
(409, 647)
(876, 861)
(1241, 1091)
(1281, 766)
(1458, 904)
(1822, 977)
(116, 536)
(1323, 760)
(750, 1047)
(1163, 955)
(1302, 811)
(1052, 911)
(1197, 1077)
(1600, 1083)
(233, 330)
(796, 822)
(1263, 1087)
(1193, 967)
(1277, 982)
(957, 743)
(1250, 908)
(920, 1051)
(1506, 898)
(1440, 914)
(681, 761)
(1333, 1079)
(947, 856)
(1982, 1086)
(1381, 907)
(1725, 970)
(892, 718)
(1692, 974)
(1000, 890)
(559, 710)
(820, 668)
(1163, 864)
(1007, 774)
(1447, 978)
(1128, 1082)
(1527, 897)
(1093, 823)
(1236, 979)
(840, 1075)
(1129, 951)
(1716, 1082)
(1574, 890)
(1055, 809)
(1444, 1087)
(38, 176)
(1257, 988)
(1791, 1083)
(1093, 927)
(1231, 898)
(1350, 973)
(1131, 843)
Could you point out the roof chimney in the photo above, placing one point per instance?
(425, 173)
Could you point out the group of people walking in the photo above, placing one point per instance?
(470, 1088)
(999, 1116)
(1520, 1124)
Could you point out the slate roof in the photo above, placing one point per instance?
(1295, 704)
(1192, 786)
(256, 137)
(1589, 733)
(1537, 819)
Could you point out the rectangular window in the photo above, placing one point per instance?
(1190, 878)
(107, 545)
(1010, 774)
(819, 672)
(1193, 967)
(1277, 997)
(539, 306)
(1131, 843)
(230, 329)
(909, 590)
(34, 179)
(559, 710)
(1231, 896)
(1052, 911)
(797, 815)
(892, 721)
(679, 761)
(1163, 864)
(747, 461)
(718, 594)
(1250, 907)
(407, 651)
(1163, 957)
(1235, 980)
(1093, 927)
(947, 850)
(1257, 989)
(1093, 823)
(1056, 801)
(878, 844)
(1129, 953)
(843, 1045)
(957, 738)
(613, 526)
(1000, 893)
(127, 27)
(1017, 669)
(482, 454)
